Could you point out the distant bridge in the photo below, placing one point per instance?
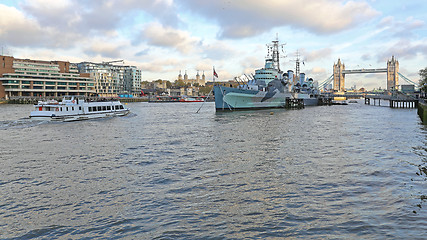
(363, 70)
(339, 72)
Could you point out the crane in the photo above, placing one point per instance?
(122, 61)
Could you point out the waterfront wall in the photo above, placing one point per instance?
(422, 111)
(34, 100)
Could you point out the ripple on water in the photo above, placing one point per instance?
(167, 173)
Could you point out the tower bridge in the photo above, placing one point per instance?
(392, 71)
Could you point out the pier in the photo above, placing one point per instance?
(294, 103)
(395, 99)
(404, 103)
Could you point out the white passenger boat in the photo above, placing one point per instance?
(74, 108)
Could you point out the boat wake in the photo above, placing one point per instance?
(20, 123)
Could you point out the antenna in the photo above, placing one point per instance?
(274, 47)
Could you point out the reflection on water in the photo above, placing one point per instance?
(165, 172)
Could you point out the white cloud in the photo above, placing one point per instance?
(16, 29)
(158, 35)
(314, 55)
(103, 49)
(218, 50)
(404, 48)
(245, 18)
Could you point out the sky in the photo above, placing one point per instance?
(164, 37)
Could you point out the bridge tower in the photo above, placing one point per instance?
(339, 76)
(392, 74)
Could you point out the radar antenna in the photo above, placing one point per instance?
(274, 56)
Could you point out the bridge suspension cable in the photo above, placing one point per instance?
(326, 82)
(407, 80)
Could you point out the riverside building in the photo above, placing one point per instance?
(36, 78)
(112, 80)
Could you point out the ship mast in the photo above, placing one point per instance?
(273, 52)
(297, 67)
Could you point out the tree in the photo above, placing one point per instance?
(423, 80)
(168, 84)
(205, 90)
(180, 83)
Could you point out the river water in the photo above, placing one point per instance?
(167, 172)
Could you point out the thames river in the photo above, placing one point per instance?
(167, 172)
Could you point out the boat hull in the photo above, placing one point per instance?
(227, 98)
(51, 116)
(308, 99)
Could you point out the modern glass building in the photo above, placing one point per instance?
(112, 80)
(36, 78)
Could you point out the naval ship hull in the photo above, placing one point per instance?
(308, 99)
(228, 99)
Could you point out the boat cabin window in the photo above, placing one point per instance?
(108, 107)
(80, 108)
(72, 108)
(121, 107)
(104, 108)
(99, 108)
(117, 107)
(66, 109)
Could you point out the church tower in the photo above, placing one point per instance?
(185, 76)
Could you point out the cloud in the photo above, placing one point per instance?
(401, 29)
(316, 54)
(158, 35)
(18, 30)
(366, 57)
(97, 16)
(317, 70)
(250, 63)
(58, 14)
(103, 49)
(14, 26)
(246, 18)
(218, 50)
(142, 52)
(404, 49)
(162, 65)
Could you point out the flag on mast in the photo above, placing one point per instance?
(214, 73)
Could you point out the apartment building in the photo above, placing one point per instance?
(111, 80)
(37, 78)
